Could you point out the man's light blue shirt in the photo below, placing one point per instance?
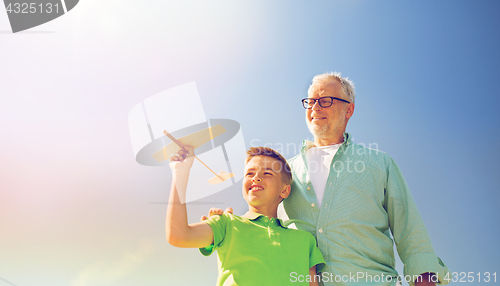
(366, 199)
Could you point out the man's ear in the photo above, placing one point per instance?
(286, 191)
(350, 110)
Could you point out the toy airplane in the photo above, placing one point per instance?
(196, 140)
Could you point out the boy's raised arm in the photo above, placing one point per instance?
(178, 232)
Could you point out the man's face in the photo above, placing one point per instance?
(262, 183)
(329, 121)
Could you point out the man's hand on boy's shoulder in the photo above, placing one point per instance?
(216, 211)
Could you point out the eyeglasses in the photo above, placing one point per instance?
(324, 102)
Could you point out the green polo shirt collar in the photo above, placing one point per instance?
(260, 218)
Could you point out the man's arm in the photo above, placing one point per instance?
(409, 232)
(178, 232)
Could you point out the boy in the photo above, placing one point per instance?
(254, 249)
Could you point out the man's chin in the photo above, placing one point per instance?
(317, 131)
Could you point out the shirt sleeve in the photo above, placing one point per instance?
(315, 256)
(409, 232)
(218, 223)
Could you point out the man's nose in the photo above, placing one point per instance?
(316, 105)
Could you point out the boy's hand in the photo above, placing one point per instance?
(216, 211)
(183, 160)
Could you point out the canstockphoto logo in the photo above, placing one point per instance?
(26, 14)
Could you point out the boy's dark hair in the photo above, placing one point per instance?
(286, 173)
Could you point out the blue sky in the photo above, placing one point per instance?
(75, 207)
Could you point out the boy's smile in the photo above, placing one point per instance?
(256, 188)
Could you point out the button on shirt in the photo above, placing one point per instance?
(365, 200)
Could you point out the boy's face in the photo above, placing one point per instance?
(262, 185)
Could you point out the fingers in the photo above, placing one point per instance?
(203, 217)
(182, 154)
(215, 211)
(175, 157)
(189, 149)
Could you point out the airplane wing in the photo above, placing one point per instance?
(196, 140)
(221, 177)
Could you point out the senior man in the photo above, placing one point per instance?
(352, 198)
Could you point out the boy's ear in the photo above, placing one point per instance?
(286, 191)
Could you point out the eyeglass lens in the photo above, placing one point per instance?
(323, 102)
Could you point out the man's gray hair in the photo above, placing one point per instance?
(347, 85)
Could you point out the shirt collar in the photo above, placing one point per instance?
(254, 216)
(251, 215)
(306, 144)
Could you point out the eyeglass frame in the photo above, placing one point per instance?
(319, 102)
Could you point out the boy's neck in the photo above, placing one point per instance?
(270, 212)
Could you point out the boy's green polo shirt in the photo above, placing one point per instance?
(254, 250)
